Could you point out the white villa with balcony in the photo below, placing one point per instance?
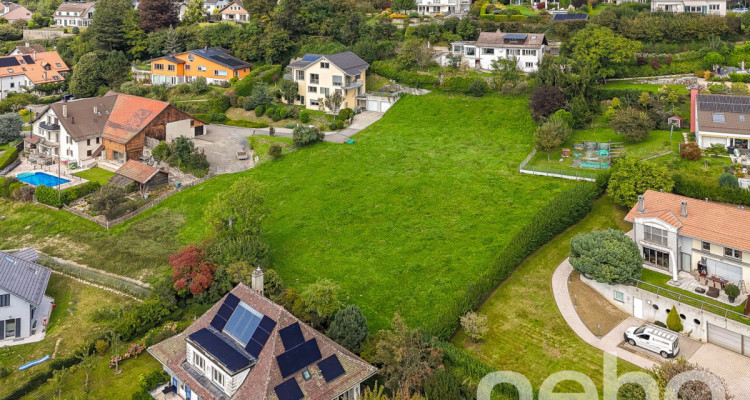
(711, 7)
(320, 75)
(75, 14)
(445, 7)
(527, 49)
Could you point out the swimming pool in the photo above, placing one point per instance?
(41, 178)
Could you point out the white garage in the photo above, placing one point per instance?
(378, 105)
(725, 338)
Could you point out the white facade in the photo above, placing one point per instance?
(445, 7)
(17, 317)
(710, 7)
(15, 83)
(477, 57)
(57, 142)
(80, 19)
(218, 5)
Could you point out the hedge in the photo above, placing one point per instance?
(561, 212)
(735, 77)
(609, 94)
(699, 189)
(265, 73)
(6, 188)
(8, 157)
(49, 196)
(408, 78)
(245, 86)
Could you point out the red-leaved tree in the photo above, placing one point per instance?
(191, 271)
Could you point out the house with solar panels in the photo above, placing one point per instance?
(248, 347)
(213, 63)
(24, 309)
(527, 49)
(720, 119)
(320, 75)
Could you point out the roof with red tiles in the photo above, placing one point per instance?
(266, 375)
(130, 115)
(137, 171)
(708, 221)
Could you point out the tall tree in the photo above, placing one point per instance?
(108, 28)
(194, 13)
(157, 14)
(602, 49)
(87, 76)
(276, 42)
(10, 126)
(135, 38)
(404, 5)
(349, 328)
(551, 134)
(259, 9)
(288, 90)
(172, 42)
(286, 16)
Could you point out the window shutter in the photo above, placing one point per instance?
(18, 327)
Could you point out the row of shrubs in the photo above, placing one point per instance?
(49, 196)
(561, 212)
(735, 77)
(700, 189)
(8, 186)
(653, 69)
(95, 276)
(8, 157)
(501, 17)
(405, 77)
(265, 73)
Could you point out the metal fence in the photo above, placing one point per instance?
(524, 168)
(694, 302)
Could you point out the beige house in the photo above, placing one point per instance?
(234, 12)
(320, 75)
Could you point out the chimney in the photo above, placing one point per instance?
(257, 281)
(641, 205)
(693, 110)
(73, 120)
(683, 209)
(27, 43)
(44, 75)
(95, 113)
(65, 111)
(34, 55)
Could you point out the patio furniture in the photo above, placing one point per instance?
(700, 290)
(713, 292)
(717, 279)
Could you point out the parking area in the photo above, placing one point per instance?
(221, 144)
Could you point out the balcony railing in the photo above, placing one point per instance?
(315, 81)
(50, 127)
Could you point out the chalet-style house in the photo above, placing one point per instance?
(320, 75)
(13, 12)
(24, 309)
(114, 126)
(250, 348)
(720, 119)
(677, 233)
(75, 14)
(444, 7)
(710, 7)
(27, 49)
(213, 7)
(145, 177)
(214, 63)
(234, 12)
(19, 73)
(527, 49)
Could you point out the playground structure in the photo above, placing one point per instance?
(595, 155)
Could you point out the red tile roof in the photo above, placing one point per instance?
(130, 115)
(265, 375)
(137, 171)
(717, 223)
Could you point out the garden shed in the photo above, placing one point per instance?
(146, 177)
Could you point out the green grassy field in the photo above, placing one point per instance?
(527, 332)
(523, 10)
(401, 220)
(261, 145)
(70, 323)
(375, 82)
(96, 174)
(644, 87)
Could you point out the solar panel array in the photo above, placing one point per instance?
(724, 103)
(570, 17)
(228, 61)
(225, 353)
(331, 368)
(298, 357)
(291, 336)
(243, 323)
(28, 59)
(289, 390)
(8, 62)
(515, 36)
(225, 312)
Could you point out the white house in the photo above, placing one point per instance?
(445, 7)
(19, 73)
(234, 12)
(75, 14)
(248, 347)
(711, 7)
(527, 49)
(24, 309)
(213, 7)
(720, 119)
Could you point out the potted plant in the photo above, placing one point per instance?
(732, 291)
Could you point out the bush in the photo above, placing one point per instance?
(690, 151)
(349, 328)
(608, 256)
(198, 85)
(304, 116)
(47, 195)
(674, 322)
(699, 189)
(8, 157)
(245, 86)
(138, 319)
(332, 126)
(732, 290)
(75, 30)
(728, 180)
(259, 111)
(442, 385)
(633, 124)
(632, 177)
(217, 117)
(275, 150)
(70, 194)
(304, 135)
(161, 151)
(478, 87)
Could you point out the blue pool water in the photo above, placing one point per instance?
(41, 178)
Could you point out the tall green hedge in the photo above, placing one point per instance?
(8, 157)
(561, 212)
(405, 77)
(49, 196)
(700, 189)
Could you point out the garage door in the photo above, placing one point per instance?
(372, 105)
(707, 141)
(384, 106)
(725, 338)
(729, 272)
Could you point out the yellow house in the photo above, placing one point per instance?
(320, 75)
(214, 63)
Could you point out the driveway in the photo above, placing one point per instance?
(221, 143)
(726, 364)
(361, 121)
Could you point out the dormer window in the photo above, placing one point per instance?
(199, 362)
(217, 376)
(10, 70)
(719, 117)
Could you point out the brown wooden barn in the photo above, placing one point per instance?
(146, 177)
(134, 118)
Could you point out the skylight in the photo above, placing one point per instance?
(718, 117)
(243, 323)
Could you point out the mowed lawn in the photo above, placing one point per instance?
(403, 220)
(527, 332)
(96, 174)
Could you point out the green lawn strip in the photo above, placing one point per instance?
(599, 7)
(261, 144)
(96, 174)
(527, 332)
(70, 322)
(644, 87)
(375, 82)
(523, 10)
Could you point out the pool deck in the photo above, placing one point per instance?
(52, 170)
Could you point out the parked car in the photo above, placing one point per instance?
(666, 343)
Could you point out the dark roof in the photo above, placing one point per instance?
(81, 121)
(570, 17)
(31, 48)
(500, 39)
(174, 60)
(221, 56)
(230, 357)
(347, 61)
(724, 103)
(29, 254)
(22, 278)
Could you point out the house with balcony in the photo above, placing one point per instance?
(248, 347)
(21, 72)
(234, 12)
(75, 14)
(215, 64)
(680, 235)
(444, 7)
(711, 7)
(24, 308)
(720, 119)
(319, 75)
(526, 49)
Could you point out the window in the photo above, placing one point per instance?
(619, 296)
(713, 7)
(220, 72)
(656, 258)
(470, 51)
(486, 50)
(717, 117)
(5, 300)
(97, 140)
(314, 78)
(199, 362)
(58, 65)
(706, 246)
(655, 235)
(306, 375)
(171, 68)
(514, 52)
(217, 376)
(201, 68)
(338, 80)
(324, 65)
(159, 67)
(312, 89)
(12, 85)
(528, 52)
(300, 75)
(88, 142)
(325, 91)
(314, 102)
(187, 67)
(88, 153)
(10, 70)
(529, 65)
(733, 253)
